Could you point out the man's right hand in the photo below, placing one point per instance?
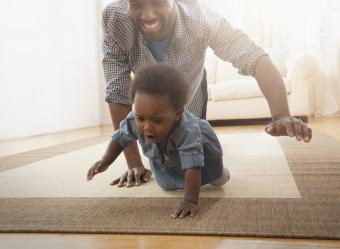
(133, 177)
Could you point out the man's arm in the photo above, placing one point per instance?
(273, 88)
(117, 75)
(233, 45)
(136, 172)
(118, 113)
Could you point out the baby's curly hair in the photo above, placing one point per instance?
(161, 79)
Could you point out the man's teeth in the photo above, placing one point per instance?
(151, 26)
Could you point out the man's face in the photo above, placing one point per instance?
(154, 18)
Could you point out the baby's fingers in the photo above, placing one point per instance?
(122, 180)
(115, 181)
(95, 169)
(90, 174)
(147, 176)
(193, 212)
(175, 213)
(184, 213)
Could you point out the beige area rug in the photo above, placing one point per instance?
(289, 191)
(263, 173)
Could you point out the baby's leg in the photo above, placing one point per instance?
(213, 172)
(223, 179)
(165, 179)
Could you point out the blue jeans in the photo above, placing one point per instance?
(174, 178)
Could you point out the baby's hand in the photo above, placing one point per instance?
(98, 167)
(185, 208)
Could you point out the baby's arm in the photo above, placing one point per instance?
(111, 153)
(191, 194)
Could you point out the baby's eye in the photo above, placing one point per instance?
(157, 121)
(139, 119)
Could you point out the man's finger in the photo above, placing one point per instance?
(269, 129)
(307, 134)
(298, 130)
(289, 129)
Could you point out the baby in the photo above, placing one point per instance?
(183, 151)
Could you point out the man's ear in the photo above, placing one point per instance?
(179, 113)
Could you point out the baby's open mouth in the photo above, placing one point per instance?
(151, 138)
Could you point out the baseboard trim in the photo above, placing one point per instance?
(253, 121)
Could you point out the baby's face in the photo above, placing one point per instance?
(154, 116)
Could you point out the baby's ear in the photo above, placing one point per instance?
(179, 113)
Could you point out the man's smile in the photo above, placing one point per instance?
(153, 27)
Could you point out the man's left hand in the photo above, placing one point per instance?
(289, 126)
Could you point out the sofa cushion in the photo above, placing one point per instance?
(210, 65)
(237, 89)
(226, 71)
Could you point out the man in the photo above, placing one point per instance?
(178, 32)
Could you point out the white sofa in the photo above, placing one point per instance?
(232, 96)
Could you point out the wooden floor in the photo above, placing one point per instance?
(330, 126)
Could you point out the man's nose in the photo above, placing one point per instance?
(148, 13)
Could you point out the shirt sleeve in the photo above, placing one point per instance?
(127, 132)
(232, 45)
(190, 149)
(116, 66)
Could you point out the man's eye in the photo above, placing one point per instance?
(135, 5)
(159, 3)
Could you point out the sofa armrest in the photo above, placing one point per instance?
(301, 77)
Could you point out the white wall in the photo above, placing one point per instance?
(106, 117)
(49, 66)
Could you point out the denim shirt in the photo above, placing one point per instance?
(183, 147)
